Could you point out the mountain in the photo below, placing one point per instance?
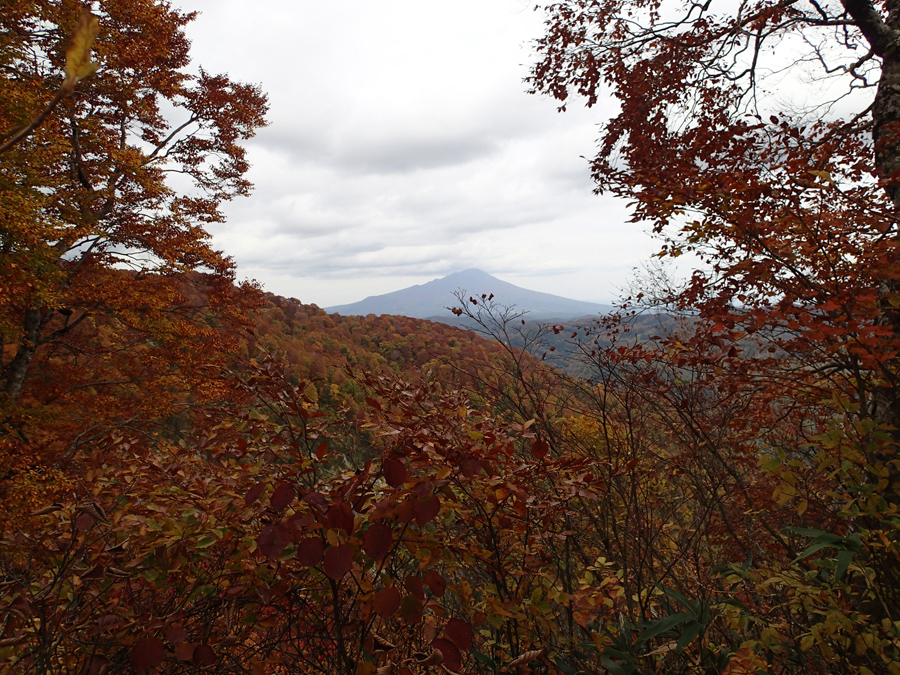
(431, 300)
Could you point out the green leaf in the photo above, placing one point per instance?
(692, 607)
(845, 557)
(613, 667)
(687, 637)
(565, 667)
(484, 659)
(662, 625)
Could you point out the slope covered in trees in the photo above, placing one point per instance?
(200, 476)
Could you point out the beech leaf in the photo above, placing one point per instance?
(78, 56)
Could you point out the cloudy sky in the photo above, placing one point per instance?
(403, 147)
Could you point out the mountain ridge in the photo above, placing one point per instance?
(430, 300)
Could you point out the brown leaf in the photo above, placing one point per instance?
(525, 658)
(432, 659)
(380, 644)
(53, 508)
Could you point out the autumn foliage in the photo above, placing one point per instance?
(197, 476)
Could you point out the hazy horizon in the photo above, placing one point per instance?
(407, 149)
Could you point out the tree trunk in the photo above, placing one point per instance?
(14, 373)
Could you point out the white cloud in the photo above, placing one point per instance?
(403, 147)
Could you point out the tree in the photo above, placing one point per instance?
(791, 207)
(108, 275)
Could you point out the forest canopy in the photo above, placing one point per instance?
(197, 475)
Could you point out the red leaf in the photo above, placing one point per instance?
(96, 665)
(415, 586)
(378, 540)
(176, 634)
(147, 653)
(435, 583)
(254, 493)
(184, 651)
(284, 494)
(395, 472)
(387, 602)
(338, 561)
(85, 522)
(426, 509)
(470, 467)
(411, 609)
(460, 632)
(539, 448)
(309, 551)
(405, 511)
(340, 517)
(272, 541)
(316, 499)
(204, 656)
(322, 450)
(452, 657)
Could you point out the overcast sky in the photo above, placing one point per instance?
(403, 147)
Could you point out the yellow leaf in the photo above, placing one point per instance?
(78, 57)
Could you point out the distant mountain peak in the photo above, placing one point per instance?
(430, 300)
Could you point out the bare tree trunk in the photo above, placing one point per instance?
(13, 376)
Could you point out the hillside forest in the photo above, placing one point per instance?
(199, 476)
